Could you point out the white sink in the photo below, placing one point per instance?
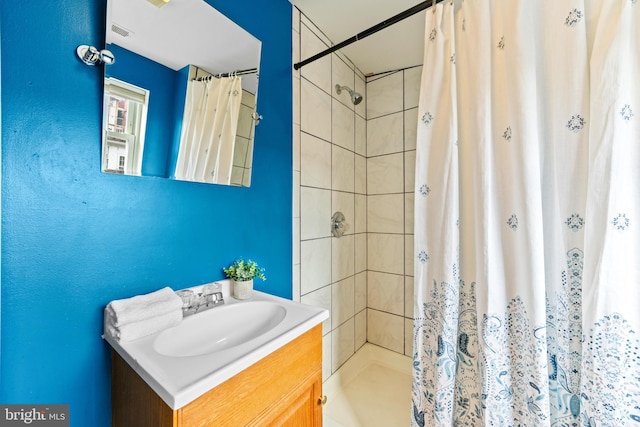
(207, 348)
(219, 328)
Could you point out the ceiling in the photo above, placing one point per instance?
(397, 46)
(181, 33)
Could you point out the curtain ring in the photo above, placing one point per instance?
(433, 5)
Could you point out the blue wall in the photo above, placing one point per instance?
(164, 110)
(74, 238)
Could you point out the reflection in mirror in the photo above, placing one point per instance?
(180, 99)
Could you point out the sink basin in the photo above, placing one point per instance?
(219, 329)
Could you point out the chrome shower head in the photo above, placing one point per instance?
(356, 98)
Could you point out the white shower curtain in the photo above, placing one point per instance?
(527, 215)
(209, 130)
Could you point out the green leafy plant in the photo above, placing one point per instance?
(242, 270)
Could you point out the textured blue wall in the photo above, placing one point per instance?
(164, 110)
(74, 238)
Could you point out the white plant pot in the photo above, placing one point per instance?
(242, 290)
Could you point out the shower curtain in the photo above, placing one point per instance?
(527, 215)
(209, 128)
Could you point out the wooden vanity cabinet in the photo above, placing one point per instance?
(282, 389)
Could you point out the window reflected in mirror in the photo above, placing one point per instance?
(125, 123)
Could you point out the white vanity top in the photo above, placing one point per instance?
(179, 380)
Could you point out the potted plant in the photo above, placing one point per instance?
(242, 273)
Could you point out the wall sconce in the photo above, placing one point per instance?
(92, 56)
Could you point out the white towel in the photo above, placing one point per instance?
(134, 330)
(142, 307)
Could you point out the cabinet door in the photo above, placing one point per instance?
(299, 408)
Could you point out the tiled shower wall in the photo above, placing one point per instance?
(392, 116)
(329, 176)
(363, 168)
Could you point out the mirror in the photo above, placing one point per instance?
(180, 99)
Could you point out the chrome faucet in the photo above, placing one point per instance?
(193, 302)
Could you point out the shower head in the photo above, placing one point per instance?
(356, 98)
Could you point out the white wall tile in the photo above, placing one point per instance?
(385, 252)
(342, 127)
(385, 292)
(412, 87)
(342, 169)
(409, 206)
(296, 241)
(361, 252)
(385, 174)
(361, 329)
(326, 357)
(296, 195)
(296, 99)
(343, 344)
(360, 185)
(408, 296)
(315, 110)
(385, 134)
(385, 330)
(361, 291)
(345, 203)
(296, 283)
(361, 136)
(320, 298)
(342, 301)
(408, 254)
(343, 76)
(360, 213)
(315, 210)
(315, 264)
(342, 257)
(361, 88)
(410, 128)
(384, 95)
(315, 162)
(319, 71)
(385, 213)
(409, 170)
(408, 337)
(296, 147)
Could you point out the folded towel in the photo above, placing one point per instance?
(142, 328)
(142, 307)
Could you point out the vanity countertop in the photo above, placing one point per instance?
(180, 380)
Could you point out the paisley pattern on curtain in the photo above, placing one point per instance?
(527, 215)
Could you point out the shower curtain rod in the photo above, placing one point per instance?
(232, 73)
(382, 25)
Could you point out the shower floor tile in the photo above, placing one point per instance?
(373, 389)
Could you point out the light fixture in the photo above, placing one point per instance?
(92, 56)
(158, 3)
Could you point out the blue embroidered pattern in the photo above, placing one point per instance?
(574, 17)
(424, 190)
(512, 222)
(626, 113)
(501, 43)
(575, 222)
(513, 378)
(507, 134)
(453, 59)
(576, 123)
(427, 118)
(432, 35)
(621, 222)
(423, 257)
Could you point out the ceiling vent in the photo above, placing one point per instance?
(121, 30)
